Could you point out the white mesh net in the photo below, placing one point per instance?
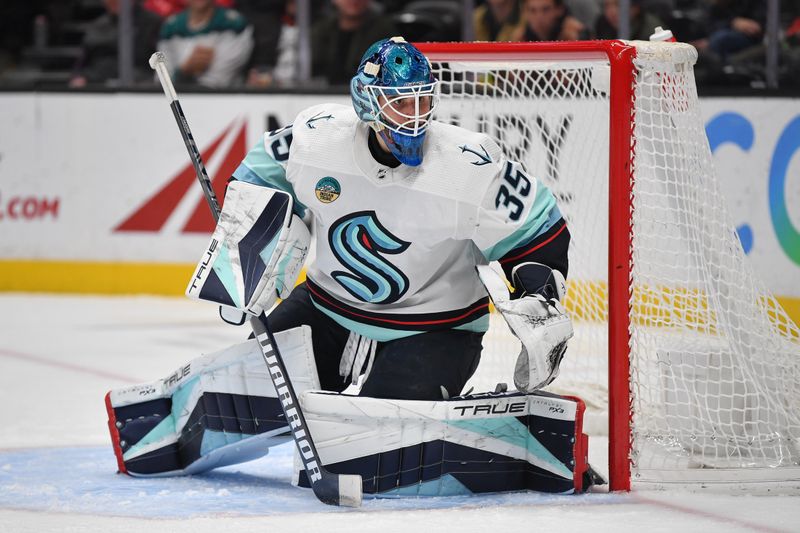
(715, 361)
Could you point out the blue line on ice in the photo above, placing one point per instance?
(84, 480)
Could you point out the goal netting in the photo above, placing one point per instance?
(701, 364)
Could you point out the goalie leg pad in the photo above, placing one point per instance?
(472, 444)
(217, 410)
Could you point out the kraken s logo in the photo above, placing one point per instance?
(358, 240)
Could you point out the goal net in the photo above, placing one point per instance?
(677, 344)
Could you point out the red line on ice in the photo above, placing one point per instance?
(706, 514)
(66, 366)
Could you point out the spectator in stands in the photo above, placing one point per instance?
(167, 8)
(98, 62)
(736, 25)
(792, 48)
(585, 11)
(207, 45)
(643, 23)
(16, 30)
(275, 57)
(748, 66)
(337, 42)
(549, 20)
(497, 20)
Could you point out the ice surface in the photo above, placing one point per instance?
(83, 480)
(58, 357)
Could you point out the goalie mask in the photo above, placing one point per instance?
(395, 92)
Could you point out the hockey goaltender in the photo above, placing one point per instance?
(406, 213)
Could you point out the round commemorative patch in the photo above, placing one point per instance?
(327, 190)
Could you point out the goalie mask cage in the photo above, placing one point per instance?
(695, 364)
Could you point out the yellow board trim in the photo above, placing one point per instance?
(170, 279)
(83, 277)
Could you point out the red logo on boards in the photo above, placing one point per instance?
(155, 212)
(29, 207)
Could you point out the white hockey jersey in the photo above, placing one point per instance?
(396, 248)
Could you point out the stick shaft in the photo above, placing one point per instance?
(330, 488)
(159, 64)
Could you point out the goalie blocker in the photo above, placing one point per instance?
(222, 409)
(256, 251)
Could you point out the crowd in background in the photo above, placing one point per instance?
(227, 44)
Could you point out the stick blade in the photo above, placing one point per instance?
(339, 489)
(350, 490)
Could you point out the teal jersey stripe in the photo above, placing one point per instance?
(541, 218)
(479, 325)
(259, 168)
(370, 332)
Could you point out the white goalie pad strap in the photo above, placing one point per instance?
(256, 251)
(357, 351)
(542, 326)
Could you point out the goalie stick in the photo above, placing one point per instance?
(330, 488)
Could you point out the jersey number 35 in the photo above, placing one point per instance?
(510, 197)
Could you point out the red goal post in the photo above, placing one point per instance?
(620, 164)
(683, 317)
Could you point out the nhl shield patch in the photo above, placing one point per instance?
(327, 190)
